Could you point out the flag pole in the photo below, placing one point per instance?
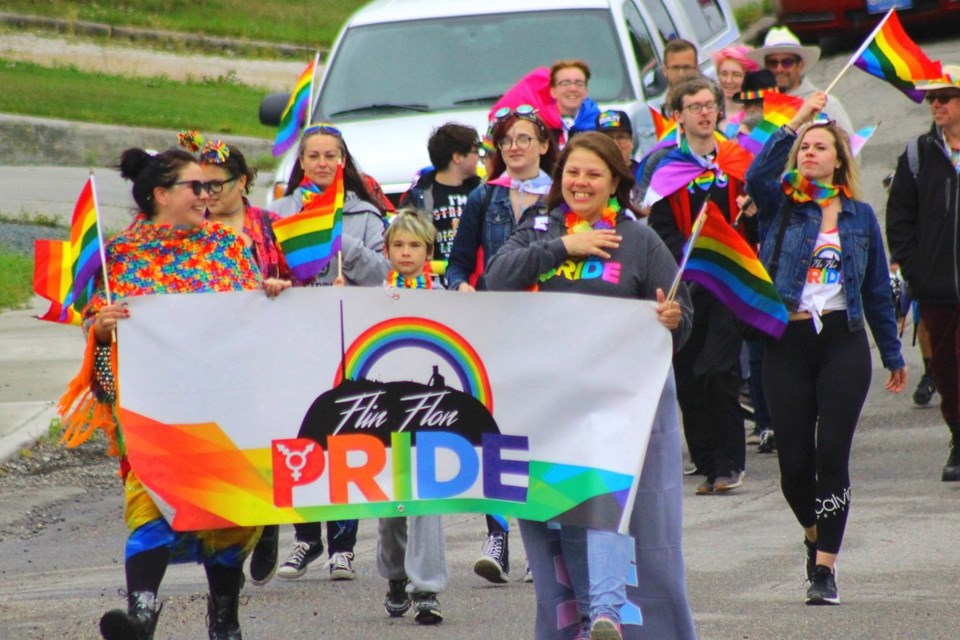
(697, 226)
(340, 264)
(103, 253)
(863, 46)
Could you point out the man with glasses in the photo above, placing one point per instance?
(707, 368)
(568, 87)
(442, 190)
(789, 61)
(679, 64)
(923, 214)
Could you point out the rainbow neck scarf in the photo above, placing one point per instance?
(397, 281)
(802, 190)
(608, 219)
(308, 191)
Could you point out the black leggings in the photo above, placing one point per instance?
(815, 386)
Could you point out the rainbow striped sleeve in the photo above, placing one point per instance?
(892, 56)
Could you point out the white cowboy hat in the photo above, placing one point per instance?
(782, 40)
(950, 79)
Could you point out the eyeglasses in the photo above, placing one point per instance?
(198, 186)
(698, 107)
(681, 67)
(323, 127)
(942, 98)
(216, 186)
(566, 84)
(786, 63)
(522, 142)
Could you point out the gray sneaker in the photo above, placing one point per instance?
(426, 608)
(341, 566)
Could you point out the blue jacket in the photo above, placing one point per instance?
(477, 229)
(866, 280)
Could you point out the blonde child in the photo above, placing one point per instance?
(410, 551)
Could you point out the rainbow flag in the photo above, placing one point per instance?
(52, 279)
(64, 271)
(718, 258)
(663, 127)
(778, 110)
(889, 54)
(311, 238)
(297, 111)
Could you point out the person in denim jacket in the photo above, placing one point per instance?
(831, 274)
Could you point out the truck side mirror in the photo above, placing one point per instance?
(271, 108)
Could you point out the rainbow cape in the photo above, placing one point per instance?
(679, 168)
(719, 259)
(297, 111)
(778, 110)
(889, 54)
(64, 270)
(311, 238)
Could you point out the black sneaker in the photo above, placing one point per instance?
(263, 560)
(810, 558)
(823, 587)
(494, 564)
(397, 601)
(925, 390)
(426, 609)
(301, 555)
(768, 443)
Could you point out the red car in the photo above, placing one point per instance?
(812, 20)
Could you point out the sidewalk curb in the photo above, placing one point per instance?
(28, 431)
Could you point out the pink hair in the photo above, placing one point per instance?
(737, 53)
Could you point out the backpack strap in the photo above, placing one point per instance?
(913, 156)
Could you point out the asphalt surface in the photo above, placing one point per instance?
(743, 550)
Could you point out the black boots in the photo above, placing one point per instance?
(137, 623)
(951, 472)
(222, 617)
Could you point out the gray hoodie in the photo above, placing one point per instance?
(363, 261)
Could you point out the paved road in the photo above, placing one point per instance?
(897, 570)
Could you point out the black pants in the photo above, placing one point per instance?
(341, 534)
(815, 387)
(708, 377)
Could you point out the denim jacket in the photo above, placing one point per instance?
(481, 230)
(866, 280)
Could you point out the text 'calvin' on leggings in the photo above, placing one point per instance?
(815, 386)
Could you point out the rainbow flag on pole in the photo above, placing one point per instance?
(64, 271)
(889, 53)
(313, 237)
(778, 110)
(718, 258)
(297, 110)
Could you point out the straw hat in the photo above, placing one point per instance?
(950, 79)
(782, 40)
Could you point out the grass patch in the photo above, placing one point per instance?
(222, 104)
(16, 279)
(750, 13)
(35, 219)
(311, 23)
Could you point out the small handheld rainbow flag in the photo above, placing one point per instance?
(663, 127)
(311, 238)
(64, 271)
(297, 111)
(889, 54)
(718, 258)
(778, 110)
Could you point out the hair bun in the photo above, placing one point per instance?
(133, 162)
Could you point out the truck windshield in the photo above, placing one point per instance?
(465, 62)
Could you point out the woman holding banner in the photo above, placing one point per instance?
(169, 248)
(587, 223)
(832, 275)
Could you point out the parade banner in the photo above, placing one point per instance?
(334, 403)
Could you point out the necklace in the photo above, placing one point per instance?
(397, 281)
(608, 219)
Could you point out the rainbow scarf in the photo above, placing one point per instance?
(801, 190)
(608, 218)
(397, 281)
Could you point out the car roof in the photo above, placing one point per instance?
(399, 10)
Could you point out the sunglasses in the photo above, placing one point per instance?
(323, 127)
(785, 63)
(198, 186)
(942, 98)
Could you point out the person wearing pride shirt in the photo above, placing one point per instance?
(587, 224)
(832, 275)
(322, 148)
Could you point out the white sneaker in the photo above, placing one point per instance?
(341, 566)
